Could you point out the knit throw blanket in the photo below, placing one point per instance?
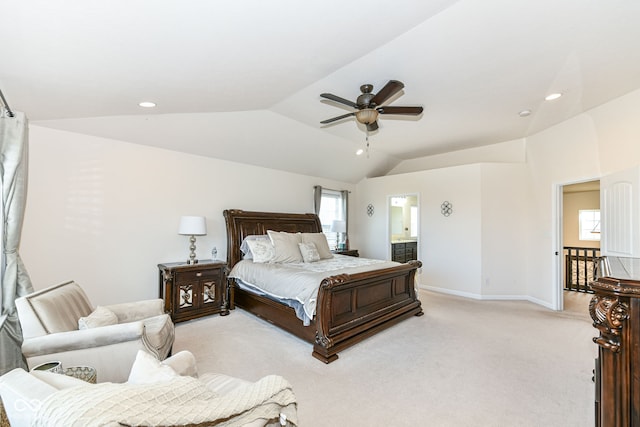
(181, 401)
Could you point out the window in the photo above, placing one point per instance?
(589, 224)
(332, 208)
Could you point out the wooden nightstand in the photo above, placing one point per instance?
(193, 290)
(349, 252)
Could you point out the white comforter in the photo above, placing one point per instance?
(180, 401)
(300, 281)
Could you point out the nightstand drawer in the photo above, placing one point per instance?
(189, 276)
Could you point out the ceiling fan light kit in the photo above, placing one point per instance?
(369, 105)
(366, 116)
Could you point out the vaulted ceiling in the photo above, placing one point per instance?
(240, 80)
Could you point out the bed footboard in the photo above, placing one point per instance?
(353, 307)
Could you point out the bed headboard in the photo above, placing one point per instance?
(243, 223)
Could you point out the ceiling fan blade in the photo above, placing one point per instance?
(372, 126)
(338, 99)
(344, 116)
(400, 110)
(390, 89)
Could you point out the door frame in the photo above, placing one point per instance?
(558, 241)
(388, 239)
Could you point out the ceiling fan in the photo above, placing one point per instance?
(369, 105)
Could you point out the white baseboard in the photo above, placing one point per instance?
(488, 297)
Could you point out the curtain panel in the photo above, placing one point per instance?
(317, 198)
(15, 281)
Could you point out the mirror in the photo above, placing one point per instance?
(403, 227)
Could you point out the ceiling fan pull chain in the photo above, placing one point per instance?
(367, 143)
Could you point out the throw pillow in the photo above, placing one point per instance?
(184, 363)
(101, 316)
(286, 246)
(320, 240)
(147, 369)
(261, 250)
(309, 252)
(244, 247)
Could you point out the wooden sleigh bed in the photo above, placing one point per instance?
(350, 307)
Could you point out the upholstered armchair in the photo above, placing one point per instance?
(59, 323)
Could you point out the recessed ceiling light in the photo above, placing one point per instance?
(147, 104)
(359, 152)
(553, 96)
(524, 113)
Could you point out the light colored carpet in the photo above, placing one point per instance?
(464, 363)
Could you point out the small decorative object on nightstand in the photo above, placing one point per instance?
(349, 252)
(193, 290)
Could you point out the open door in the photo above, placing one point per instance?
(620, 213)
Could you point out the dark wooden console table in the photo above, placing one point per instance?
(615, 310)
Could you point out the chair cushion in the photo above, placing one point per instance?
(101, 316)
(59, 307)
(159, 335)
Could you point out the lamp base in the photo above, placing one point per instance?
(192, 248)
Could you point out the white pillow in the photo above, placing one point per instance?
(261, 250)
(244, 247)
(309, 252)
(320, 240)
(184, 363)
(147, 369)
(101, 316)
(286, 246)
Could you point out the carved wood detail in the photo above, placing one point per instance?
(608, 314)
(615, 311)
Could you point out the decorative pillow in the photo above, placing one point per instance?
(147, 369)
(261, 250)
(286, 246)
(309, 252)
(244, 247)
(101, 316)
(184, 363)
(320, 240)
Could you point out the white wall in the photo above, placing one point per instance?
(105, 212)
(601, 141)
(586, 147)
(504, 230)
(449, 247)
(479, 250)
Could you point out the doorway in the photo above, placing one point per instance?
(578, 232)
(403, 233)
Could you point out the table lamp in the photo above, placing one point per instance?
(339, 227)
(192, 226)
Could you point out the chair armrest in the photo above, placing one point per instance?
(82, 339)
(22, 394)
(132, 311)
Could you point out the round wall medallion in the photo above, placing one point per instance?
(446, 208)
(370, 210)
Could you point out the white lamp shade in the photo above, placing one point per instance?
(192, 226)
(339, 226)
